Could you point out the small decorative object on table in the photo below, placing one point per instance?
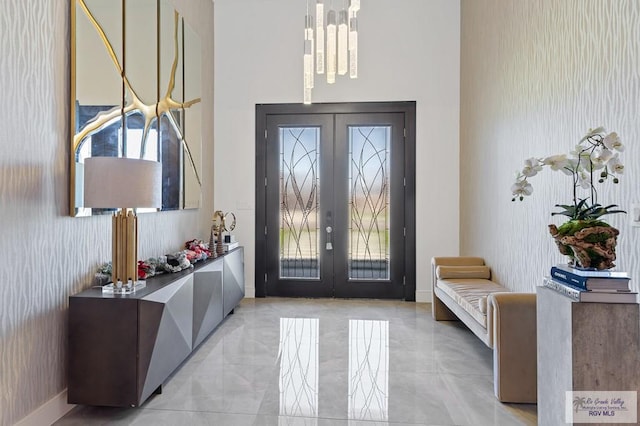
(218, 228)
(194, 250)
(124, 288)
(229, 239)
(585, 238)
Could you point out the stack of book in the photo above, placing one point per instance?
(230, 246)
(591, 286)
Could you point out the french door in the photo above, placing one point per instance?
(335, 203)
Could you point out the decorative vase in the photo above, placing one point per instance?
(590, 244)
(212, 241)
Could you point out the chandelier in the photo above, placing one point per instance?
(340, 53)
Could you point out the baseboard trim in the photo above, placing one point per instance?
(49, 412)
(424, 296)
(250, 292)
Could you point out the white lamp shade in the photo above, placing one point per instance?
(115, 182)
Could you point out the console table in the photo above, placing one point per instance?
(583, 347)
(123, 347)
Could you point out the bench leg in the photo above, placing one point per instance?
(440, 311)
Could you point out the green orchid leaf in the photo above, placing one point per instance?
(614, 211)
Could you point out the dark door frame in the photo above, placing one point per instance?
(408, 108)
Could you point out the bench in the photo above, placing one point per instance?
(503, 320)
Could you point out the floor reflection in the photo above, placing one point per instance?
(368, 370)
(298, 382)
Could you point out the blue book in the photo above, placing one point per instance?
(592, 272)
(611, 283)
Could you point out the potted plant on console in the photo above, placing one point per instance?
(585, 238)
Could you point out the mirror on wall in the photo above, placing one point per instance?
(135, 90)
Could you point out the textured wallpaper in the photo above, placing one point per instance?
(535, 76)
(45, 255)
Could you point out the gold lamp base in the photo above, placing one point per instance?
(125, 247)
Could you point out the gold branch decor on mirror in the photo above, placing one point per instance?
(128, 129)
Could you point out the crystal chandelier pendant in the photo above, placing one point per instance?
(330, 43)
(319, 37)
(343, 33)
(353, 47)
(331, 47)
(308, 58)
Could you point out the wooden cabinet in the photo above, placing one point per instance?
(583, 347)
(123, 347)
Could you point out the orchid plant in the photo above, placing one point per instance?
(594, 158)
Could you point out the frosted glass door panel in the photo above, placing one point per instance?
(299, 202)
(369, 160)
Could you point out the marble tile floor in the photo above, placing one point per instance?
(321, 362)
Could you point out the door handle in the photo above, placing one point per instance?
(329, 230)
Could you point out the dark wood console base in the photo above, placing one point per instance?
(122, 348)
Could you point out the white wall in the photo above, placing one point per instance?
(409, 50)
(536, 75)
(45, 254)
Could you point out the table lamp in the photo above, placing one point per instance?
(125, 184)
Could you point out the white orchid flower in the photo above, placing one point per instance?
(531, 167)
(571, 166)
(600, 157)
(593, 132)
(556, 162)
(589, 165)
(612, 142)
(521, 188)
(584, 179)
(615, 165)
(591, 161)
(585, 156)
(580, 151)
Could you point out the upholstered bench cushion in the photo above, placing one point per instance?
(482, 305)
(468, 292)
(478, 271)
